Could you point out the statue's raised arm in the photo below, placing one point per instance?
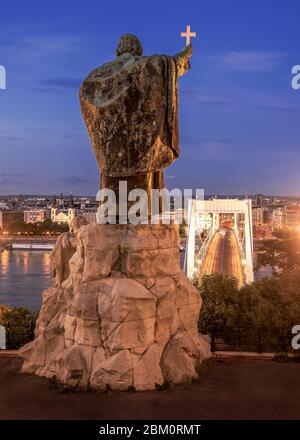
(182, 60)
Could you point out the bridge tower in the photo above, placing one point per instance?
(197, 210)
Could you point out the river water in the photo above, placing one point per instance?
(23, 277)
(25, 274)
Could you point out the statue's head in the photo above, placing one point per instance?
(129, 44)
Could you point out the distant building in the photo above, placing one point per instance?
(258, 216)
(8, 217)
(292, 216)
(36, 215)
(3, 206)
(286, 217)
(277, 218)
(61, 211)
(259, 200)
(268, 216)
(62, 215)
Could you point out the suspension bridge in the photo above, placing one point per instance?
(220, 238)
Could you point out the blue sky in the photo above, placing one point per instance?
(239, 116)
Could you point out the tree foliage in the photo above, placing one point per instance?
(40, 228)
(19, 323)
(182, 229)
(263, 312)
(281, 253)
(219, 294)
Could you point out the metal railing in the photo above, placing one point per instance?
(19, 334)
(245, 339)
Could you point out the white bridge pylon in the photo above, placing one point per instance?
(204, 217)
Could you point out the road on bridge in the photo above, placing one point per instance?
(223, 256)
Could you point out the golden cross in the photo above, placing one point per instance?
(188, 34)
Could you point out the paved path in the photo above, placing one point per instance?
(226, 390)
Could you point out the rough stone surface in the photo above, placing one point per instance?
(125, 317)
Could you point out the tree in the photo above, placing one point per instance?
(282, 253)
(270, 308)
(19, 323)
(182, 229)
(260, 314)
(219, 294)
(39, 228)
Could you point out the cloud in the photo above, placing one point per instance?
(288, 155)
(13, 178)
(39, 47)
(209, 99)
(248, 61)
(208, 148)
(75, 180)
(191, 140)
(8, 136)
(13, 175)
(59, 83)
(18, 134)
(278, 108)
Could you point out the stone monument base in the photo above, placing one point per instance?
(121, 314)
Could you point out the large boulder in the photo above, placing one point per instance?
(125, 317)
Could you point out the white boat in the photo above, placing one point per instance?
(33, 246)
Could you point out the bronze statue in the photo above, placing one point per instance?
(130, 109)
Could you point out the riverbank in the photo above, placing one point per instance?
(28, 238)
(27, 242)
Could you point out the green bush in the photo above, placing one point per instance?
(19, 323)
(40, 228)
(259, 315)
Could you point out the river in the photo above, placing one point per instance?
(25, 274)
(23, 277)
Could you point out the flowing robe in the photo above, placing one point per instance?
(130, 108)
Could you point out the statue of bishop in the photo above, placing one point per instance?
(130, 108)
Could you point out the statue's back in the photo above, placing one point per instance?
(130, 109)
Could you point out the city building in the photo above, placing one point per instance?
(268, 212)
(7, 217)
(292, 216)
(3, 206)
(258, 216)
(35, 215)
(62, 215)
(286, 217)
(259, 200)
(277, 218)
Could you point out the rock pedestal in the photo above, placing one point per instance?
(120, 314)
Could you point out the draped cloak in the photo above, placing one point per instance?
(130, 108)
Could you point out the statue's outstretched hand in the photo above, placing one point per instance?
(188, 50)
(183, 60)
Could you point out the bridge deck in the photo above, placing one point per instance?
(223, 256)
